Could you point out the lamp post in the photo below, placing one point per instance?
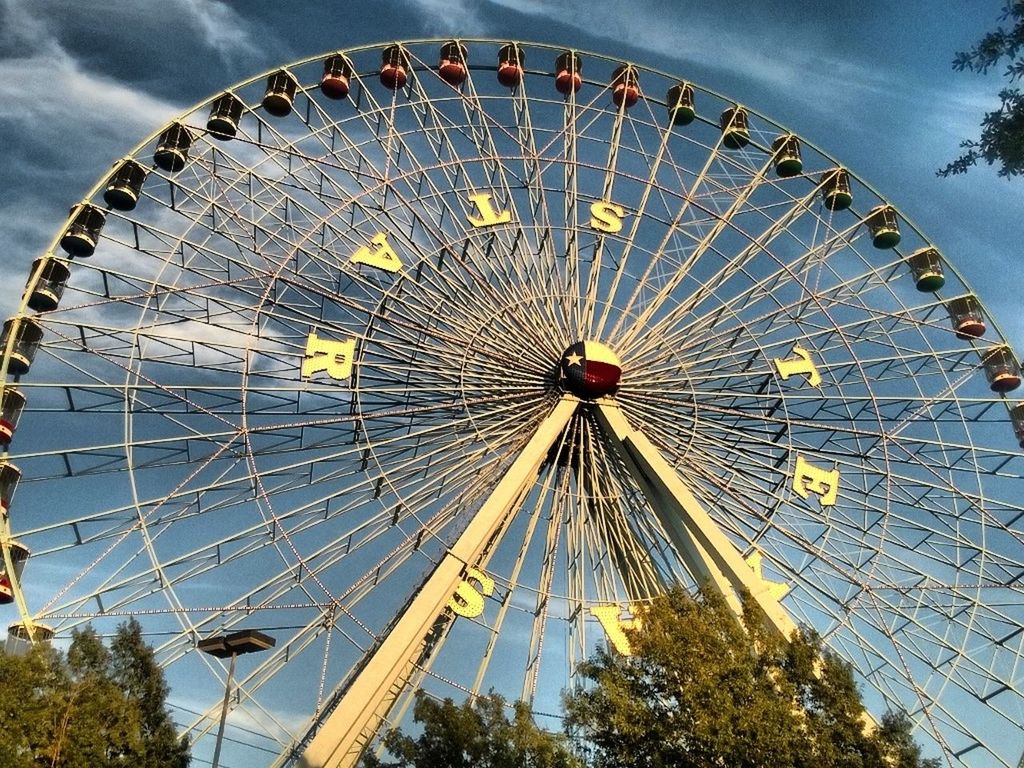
(232, 646)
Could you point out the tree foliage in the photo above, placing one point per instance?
(134, 669)
(477, 734)
(1002, 130)
(93, 708)
(701, 690)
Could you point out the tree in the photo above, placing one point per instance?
(1002, 130)
(65, 712)
(134, 669)
(85, 709)
(94, 724)
(476, 734)
(702, 689)
(25, 686)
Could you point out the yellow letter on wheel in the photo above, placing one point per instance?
(808, 479)
(606, 216)
(329, 356)
(383, 256)
(488, 216)
(467, 601)
(610, 618)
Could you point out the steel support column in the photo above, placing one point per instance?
(341, 738)
(709, 554)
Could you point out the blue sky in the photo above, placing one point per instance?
(868, 82)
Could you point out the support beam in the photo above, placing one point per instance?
(359, 712)
(693, 532)
(707, 551)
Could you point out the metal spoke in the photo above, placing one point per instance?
(286, 389)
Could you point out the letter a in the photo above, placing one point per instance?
(382, 257)
(467, 601)
(606, 216)
(608, 615)
(808, 479)
(803, 364)
(330, 356)
(488, 216)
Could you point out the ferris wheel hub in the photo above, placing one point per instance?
(589, 369)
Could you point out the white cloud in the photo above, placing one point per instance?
(946, 119)
(64, 126)
(814, 72)
(217, 24)
(47, 89)
(22, 28)
(452, 17)
(222, 29)
(27, 89)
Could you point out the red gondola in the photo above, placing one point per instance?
(10, 413)
(19, 555)
(510, 65)
(568, 73)
(337, 77)
(625, 86)
(452, 66)
(967, 317)
(394, 68)
(1001, 369)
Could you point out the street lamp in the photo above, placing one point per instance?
(233, 645)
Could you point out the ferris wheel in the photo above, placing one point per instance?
(433, 360)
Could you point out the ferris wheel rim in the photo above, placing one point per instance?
(251, 453)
